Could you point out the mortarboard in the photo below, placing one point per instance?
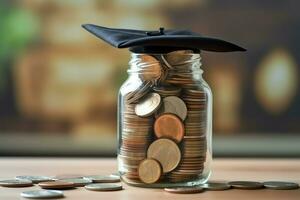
(161, 41)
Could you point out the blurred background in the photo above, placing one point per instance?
(59, 84)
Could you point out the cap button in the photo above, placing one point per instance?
(161, 30)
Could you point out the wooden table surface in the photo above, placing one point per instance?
(223, 169)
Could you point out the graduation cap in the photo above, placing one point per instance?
(161, 41)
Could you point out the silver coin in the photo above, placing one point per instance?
(104, 187)
(103, 179)
(78, 182)
(115, 174)
(185, 190)
(148, 105)
(16, 183)
(42, 194)
(174, 105)
(216, 186)
(247, 185)
(280, 185)
(35, 179)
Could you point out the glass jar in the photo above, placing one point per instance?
(165, 115)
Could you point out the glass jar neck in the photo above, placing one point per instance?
(169, 68)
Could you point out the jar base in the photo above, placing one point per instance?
(191, 183)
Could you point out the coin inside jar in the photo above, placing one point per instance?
(149, 171)
(148, 105)
(174, 105)
(166, 152)
(169, 126)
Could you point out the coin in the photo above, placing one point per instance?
(149, 68)
(179, 57)
(280, 185)
(102, 178)
(185, 190)
(16, 183)
(174, 105)
(56, 185)
(149, 170)
(42, 194)
(148, 105)
(167, 90)
(215, 186)
(104, 187)
(169, 126)
(247, 185)
(35, 179)
(166, 152)
(67, 176)
(138, 93)
(78, 182)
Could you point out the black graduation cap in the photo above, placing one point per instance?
(161, 41)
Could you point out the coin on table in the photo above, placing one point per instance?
(185, 190)
(280, 185)
(149, 170)
(35, 179)
(216, 186)
(42, 194)
(247, 185)
(103, 178)
(67, 176)
(174, 105)
(16, 183)
(104, 187)
(148, 105)
(166, 152)
(56, 185)
(169, 126)
(78, 182)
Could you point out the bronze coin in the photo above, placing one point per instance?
(169, 126)
(166, 152)
(56, 185)
(149, 171)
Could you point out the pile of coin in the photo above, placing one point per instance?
(110, 182)
(163, 121)
(51, 186)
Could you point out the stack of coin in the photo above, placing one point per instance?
(194, 142)
(196, 103)
(193, 149)
(135, 138)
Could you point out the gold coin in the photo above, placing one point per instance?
(149, 171)
(166, 152)
(169, 126)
